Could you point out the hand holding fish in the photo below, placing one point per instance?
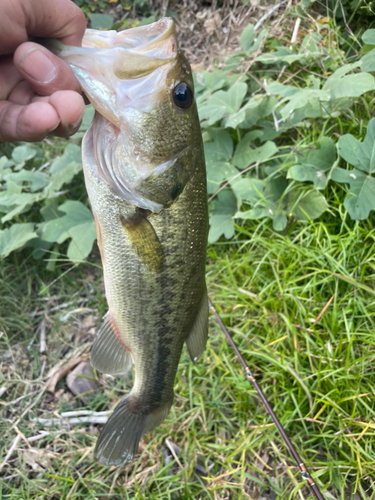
(38, 91)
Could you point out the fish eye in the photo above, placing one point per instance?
(182, 96)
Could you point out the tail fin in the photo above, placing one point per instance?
(118, 441)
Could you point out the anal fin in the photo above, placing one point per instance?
(109, 354)
(197, 338)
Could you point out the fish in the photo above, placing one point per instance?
(145, 175)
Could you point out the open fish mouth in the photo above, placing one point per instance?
(121, 69)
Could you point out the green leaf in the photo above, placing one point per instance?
(223, 103)
(340, 85)
(256, 108)
(281, 54)
(312, 167)
(308, 207)
(357, 153)
(245, 155)
(221, 220)
(77, 224)
(23, 153)
(217, 154)
(361, 199)
(15, 237)
(34, 180)
(250, 40)
(101, 21)
(369, 37)
(63, 169)
(247, 37)
(247, 189)
(368, 61)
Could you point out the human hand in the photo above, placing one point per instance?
(39, 93)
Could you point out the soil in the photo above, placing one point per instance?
(206, 30)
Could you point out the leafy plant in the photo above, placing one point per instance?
(23, 188)
(247, 125)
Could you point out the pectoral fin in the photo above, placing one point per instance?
(144, 241)
(197, 338)
(109, 354)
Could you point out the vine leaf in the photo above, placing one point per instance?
(357, 153)
(16, 237)
(77, 224)
(313, 166)
(221, 220)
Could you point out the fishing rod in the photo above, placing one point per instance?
(302, 467)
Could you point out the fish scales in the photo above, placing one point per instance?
(145, 175)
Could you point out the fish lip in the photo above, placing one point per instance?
(139, 39)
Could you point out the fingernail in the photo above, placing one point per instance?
(38, 66)
(73, 127)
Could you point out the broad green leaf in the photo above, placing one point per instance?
(221, 220)
(15, 237)
(77, 224)
(245, 155)
(256, 108)
(20, 204)
(63, 169)
(361, 199)
(357, 153)
(312, 167)
(101, 21)
(223, 103)
(250, 40)
(368, 61)
(369, 37)
(281, 89)
(222, 145)
(279, 218)
(21, 154)
(247, 189)
(302, 98)
(349, 85)
(308, 207)
(281, 54)
(71, 153)
(279, 221)
(217, 173)
(247, 37)
(34, 180)
(217, 154)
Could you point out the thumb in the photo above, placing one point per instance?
(44, 71)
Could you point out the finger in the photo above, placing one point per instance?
(9, 76)
(70, 108)
(26, 123)
(45, 72)
(60, 19)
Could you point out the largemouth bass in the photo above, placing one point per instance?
(145, 175)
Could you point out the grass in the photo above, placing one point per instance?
(300, 305)
(268, 288)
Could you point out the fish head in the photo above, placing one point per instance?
(146, 127)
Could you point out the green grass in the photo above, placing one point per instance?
(268, 287)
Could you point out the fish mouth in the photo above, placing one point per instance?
(118, 70)
(141, 50)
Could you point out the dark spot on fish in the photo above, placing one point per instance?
(175, 191)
